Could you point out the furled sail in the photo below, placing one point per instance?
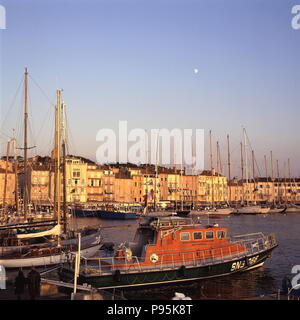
(54, 231)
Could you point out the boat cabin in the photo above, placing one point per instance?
(176, 240)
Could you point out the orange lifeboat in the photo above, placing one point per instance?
(173, 249)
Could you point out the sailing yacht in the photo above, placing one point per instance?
(49, 242)
(249, 209)
(215, 210)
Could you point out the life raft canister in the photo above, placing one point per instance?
(120, 254)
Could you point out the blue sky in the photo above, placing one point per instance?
(134, 60)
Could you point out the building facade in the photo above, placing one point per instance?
(87, 182)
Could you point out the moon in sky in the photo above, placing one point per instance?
(196, 70)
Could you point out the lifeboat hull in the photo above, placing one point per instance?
(122, 279)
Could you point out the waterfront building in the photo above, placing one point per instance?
(126, 183)
(39, 176)
(212, 187)
(108, 182)
(123, 188)
(9, 195)
(94, 186)
(76, 180)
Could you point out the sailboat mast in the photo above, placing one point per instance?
(266, 168)
(16, 176)
(242, 169)
(267, 179)
(290, 180)
(253, 173)
(218, 171)
(156, 171)
(58, 187)
(181, 190)
(272, 167)
(25, 198)
(228, 163)
(284, 170)
(63, 106)
(211, 169)
(5, 180)
(272, 176)
(277, 167)
(246, 164)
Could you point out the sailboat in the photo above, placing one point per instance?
(182, 212)
(291, 207)
(46, 243)
(249, 209)
(214, 210)
(276, 206)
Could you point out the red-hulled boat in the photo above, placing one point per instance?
(171, 250)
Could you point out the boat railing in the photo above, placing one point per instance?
(256, 242)
(189, 258)
(249, 236)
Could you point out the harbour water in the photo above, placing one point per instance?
(260, 283)
(255, 284)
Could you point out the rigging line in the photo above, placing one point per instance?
(19, 122)
(30, 122)
(51, 144)
(253, 150)
(220, 161)
(31, 133)
(257, 167)
(13, 101)
(43, 92)
(50, 102)
(44, 120)
(70, 136)
(4, 134)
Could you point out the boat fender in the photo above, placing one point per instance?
(128, 254)
(117, 276)
(69, 256)
(154, 258)
(182, 271)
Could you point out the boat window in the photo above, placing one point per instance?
(221, 234)
(209, 235)
(197, 235)
(184, 236)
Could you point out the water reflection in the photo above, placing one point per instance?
(246, 285)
